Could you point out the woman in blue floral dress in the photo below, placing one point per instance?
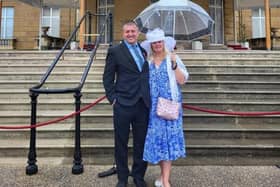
(165, 138)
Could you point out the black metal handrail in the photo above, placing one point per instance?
(38, 89)
(77, 168)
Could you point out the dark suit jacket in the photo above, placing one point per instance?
(122, 80)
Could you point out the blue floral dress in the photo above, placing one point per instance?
(165, 138)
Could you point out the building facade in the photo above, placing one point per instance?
(22, 23)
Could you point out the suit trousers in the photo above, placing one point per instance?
(137, 117)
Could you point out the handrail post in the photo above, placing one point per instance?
(77, 163)
(34, 92)
(111, 28)
(32, 168)
(89, 28)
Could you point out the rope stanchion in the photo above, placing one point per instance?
(56, 120)
(185, 106)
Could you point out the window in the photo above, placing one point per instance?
(104, 6)
(51, 18)
(216, 12)
(258, 23)
(7, 23)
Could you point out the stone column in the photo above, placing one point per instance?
(0, 15)
(267, 24)
(83, 25)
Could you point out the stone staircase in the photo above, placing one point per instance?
(219, 80)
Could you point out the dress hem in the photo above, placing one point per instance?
(156, 162)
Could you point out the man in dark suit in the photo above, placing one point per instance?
(126, 82)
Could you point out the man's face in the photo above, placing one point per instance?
(130, 33)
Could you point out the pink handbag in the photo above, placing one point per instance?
(168, 109)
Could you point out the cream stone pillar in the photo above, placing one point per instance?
(83, 25)
(0, 15)
(267, 24)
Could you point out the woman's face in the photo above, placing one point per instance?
(157, 46)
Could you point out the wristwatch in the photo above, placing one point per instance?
(174, 67)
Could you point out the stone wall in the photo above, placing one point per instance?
(124, 11)
(27, 20)
(26, 24)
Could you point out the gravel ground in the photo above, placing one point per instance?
(182, 176)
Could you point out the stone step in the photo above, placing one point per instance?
(101, 61)
(183, 54)
(44, 68)
(65, 73)
(189, 53)
(227, 81)
(48, 60)
(36, 76)
(227, 54)
(191, 131)
(238, 69)
(99, 67)
(49, 53)
(18, 164)
(105, 142)
(45, 60)
(97, 116)
(230, 61)
(68, 104)
(232, 85)
(233, 76)
(246, 68)
(97, 75)
(102, 126)
(195, 60)
(92, 84)
(102, 150)
(233, 95)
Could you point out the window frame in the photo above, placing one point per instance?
(53, 31)
(217, 8)
(103, 9)
(258, 27)
(4, 22)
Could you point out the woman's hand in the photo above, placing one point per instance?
(173, 57)
(173, 61)
(178, 73)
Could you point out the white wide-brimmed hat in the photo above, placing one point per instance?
(158, 35)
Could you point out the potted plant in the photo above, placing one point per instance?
(242, 36)
(74, 45)
(197, 45)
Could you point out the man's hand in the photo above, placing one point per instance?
(114, 102)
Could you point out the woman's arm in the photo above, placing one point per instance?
(180, 76)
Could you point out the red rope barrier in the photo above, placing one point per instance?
(231, 113)
(55, 120)
(185, 106)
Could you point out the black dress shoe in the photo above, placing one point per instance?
(139, 183)
(121, 184)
